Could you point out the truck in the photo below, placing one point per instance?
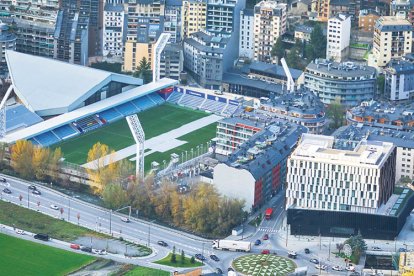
(229, 245)
(268, 213)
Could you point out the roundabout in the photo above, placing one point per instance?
(260, 264)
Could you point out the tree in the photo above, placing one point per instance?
(55, 163)
(114, 196)
(182, 257)
(336, 113)
(192, 260)
(357, 244)
(340, 247)
(318, 42)
(144, 71)
(40, 162)
(173, 256)
(21, 158)
(278, 49)
(381, 85)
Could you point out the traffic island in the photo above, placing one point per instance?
(261, 264)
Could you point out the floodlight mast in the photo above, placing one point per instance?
(139, 137)
(3, 112)
(159, 47)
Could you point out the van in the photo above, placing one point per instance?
(42, 237)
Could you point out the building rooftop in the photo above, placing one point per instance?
(393, 24)
(207, 42)
(266, 148)
(367, 12)
(114, 7)
(248, 12)
(398, 66)
(340, 16)
(326, 148)
(237, 78)
(304, 29)
(270, 70)
(343, 70)
(339, 3)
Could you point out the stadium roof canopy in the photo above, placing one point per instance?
(51, 87)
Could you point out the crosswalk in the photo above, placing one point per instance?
(267, 230)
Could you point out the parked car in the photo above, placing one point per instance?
(36, 192)
(42, 237)
(54, 207)
(32, 187)
(219, 271)
(99, 251)
(124, 219)
(315, 261)
(321, 267)
(19, 231)
(376, 248)
(402, 249)
(75, 246)
(214, 258)
(7, 191)
(292, 255)
(200, 257)
(265, 237)
(86, 249)
(162, 243)
(2, 179)
(307, 251)
(258, 242)
(350, 268)
(337, 268)
(265, 251)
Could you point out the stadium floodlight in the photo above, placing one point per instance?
(139, 137)
(3, 112)
(159, 47)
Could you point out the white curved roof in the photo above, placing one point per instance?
(50, 86)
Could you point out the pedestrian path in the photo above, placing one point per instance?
(267, 230)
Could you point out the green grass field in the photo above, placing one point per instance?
(21, 257)
(187, 263)
(117, 135)
(140, 271)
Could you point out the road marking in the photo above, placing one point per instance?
(267, 230)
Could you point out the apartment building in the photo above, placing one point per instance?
(221, 15)
(193, 14)
(171, 61)
(246, 44)
(269, 25)
(338, 37)
(113, 32)
(322, 8)
(399, 80)
(172, 20)
(392, 39)
(367, 20)
(7, 42)
(403, 8)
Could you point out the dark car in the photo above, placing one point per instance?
(6, 191)
(162, 243)
(258, 242)
(86, 249)
(200, 257)
(265, 237)
(42, 237)
(402, 249)
(2, 179)
(307, 251)
(214, 258)
(36, 192)
(219, 271)
(32, 187)
(230, 269)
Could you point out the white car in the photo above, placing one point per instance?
(124, 219)
(337, 268)
(321, 266)
(19, 231)
(54, 207)
(350, 268)
(99, 251)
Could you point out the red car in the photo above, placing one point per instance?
(266, 251)
(75, 246)
(265, 237)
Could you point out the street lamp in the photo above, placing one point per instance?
(28, 195)
(149, 231)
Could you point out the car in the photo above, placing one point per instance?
(75, 246)
(292, 255)
(99, 251)
(265, 237)
(162, 243)
(258, 242)
(7, 191)
(265, 251)
(19, 231)
(36, 192)
(42, 237)
(315, 261)
(219, 271)
(307, 251)
(402, 249)
(86, 249)
(32, 187)
(337, 268)
(126, 220)
(355, 274)
(350, 268)
(321, 267)
(54, 207)
(2, 179)
(376, 248)
(200, 257)
(230, 269)
(214, 258)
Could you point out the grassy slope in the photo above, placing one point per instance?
(187, 263)
(35, 222)
(117, 135)
(21, 257)
(140, 271)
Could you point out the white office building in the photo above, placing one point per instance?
(246, 43)
(338, 37)
(326, 174)
(113, 31)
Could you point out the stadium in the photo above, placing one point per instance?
(56, 104)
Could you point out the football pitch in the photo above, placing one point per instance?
(117, 135)
(21, 257)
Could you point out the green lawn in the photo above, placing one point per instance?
(35, 222)
(187, 263)
(117, 135)
(195, 138)
(20, 257)
(140, 271)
